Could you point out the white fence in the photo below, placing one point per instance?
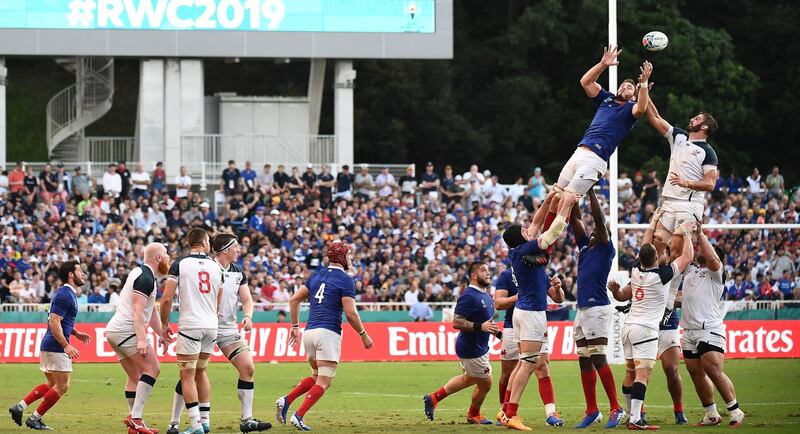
(219, 148)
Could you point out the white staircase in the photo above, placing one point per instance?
(78, 106)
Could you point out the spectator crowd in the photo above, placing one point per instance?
(413, 234)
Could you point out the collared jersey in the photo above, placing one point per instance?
(199, 280)
(141, 282)
(690, 160)
(474, 305)
(701, 302)
(229, 304)
(594, 264)
(504, 281)
(531, 281)
(611, 123)
(65, 305)
(650, 287)
(326, 288)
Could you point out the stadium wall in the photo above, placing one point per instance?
(394, 341)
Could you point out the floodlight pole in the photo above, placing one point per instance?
(613, 162)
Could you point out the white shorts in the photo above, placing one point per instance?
(677, 211)
(322, 344)
(510, 347)
(582, 170)
(592, 323)
(713, 336)
(196, 341)
(123, 343)
(54, 362)
(668, 339)
(531, 326)
(477, 367)
(639, 342)
(226, 337)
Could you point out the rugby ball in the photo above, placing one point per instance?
(655, 41)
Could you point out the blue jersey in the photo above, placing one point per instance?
(594, 264)
(65, 305)
(506, 282)
(531, 281)
(672, 322)
(476, 306)
(610, 125)
(327, 287)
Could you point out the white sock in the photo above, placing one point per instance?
(636, 410)
(194, 416)
(245, 391)
(143, 389)
(130, 396)
(711, 410)
(23, 404)
(36, 415)
(205, 412)
(549, 409)
(628, 401)
(177, 408)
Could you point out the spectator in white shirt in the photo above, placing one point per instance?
(265, 180)
(493, 192)
(755, 183)
(140, 181)
(112, 182)
(516, 190)
(364, 184)
(385, 183)
(3, 180)
(473, 174)
(625, 187)
(411, 296)
(183, 183)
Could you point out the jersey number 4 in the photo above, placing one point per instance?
(639, 294)
(204, 282)
(320, 293)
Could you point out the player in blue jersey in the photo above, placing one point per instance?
(615, 117)
(505, 296)
(593, 319)
(473, 316)
(332, 291)
(56, 353)
(669, 352)
(530, 320)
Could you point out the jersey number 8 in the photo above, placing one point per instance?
(320, 293)
(204, 282)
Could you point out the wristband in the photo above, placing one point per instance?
(363, 332)
(295, 326)
(643, 84)
(476, 326)
(248, 316)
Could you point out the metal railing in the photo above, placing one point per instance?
(110, 148)
(731, 306)
(74, 108)
(218, 148)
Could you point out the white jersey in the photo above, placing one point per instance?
(701, 302)
(649, 295)
(229, 305)
(141, 282)
(199, 281)
(690, 160)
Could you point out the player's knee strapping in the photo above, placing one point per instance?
(596, 350)
(583, 351)
(202, 363)
(644, 363)
(187, 364)
(529, 357)
(327, 371)
(240, 348)
(571, 191)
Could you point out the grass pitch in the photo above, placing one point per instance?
(386, 397)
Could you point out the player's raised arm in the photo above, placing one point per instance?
(576, 221)
(707, 250)
(351, 313)
(502, 301)
(598, 217)
(647, 238)
(644, 90)
(687, 254)
(589, 79)
(655, 119)
(539, 216)
(623, 294)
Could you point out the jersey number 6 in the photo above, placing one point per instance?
(204, 282)
(639, 294)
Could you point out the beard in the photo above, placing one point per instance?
(483, 282)
(693, 128)
(163, 267)
(78, 281)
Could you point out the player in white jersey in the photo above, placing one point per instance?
(229, 339)
(199, 279)
(126, 333)
(692, 171)
(704, 332)
(648, 291)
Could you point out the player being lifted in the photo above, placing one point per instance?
(530, 320)
(332, 291)
(126, 333)
(704, 332)
(235, 289)
(473, 318)
(199, 280)
(615, 117)
(648, 290)
(56, 354)
(593, 318)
